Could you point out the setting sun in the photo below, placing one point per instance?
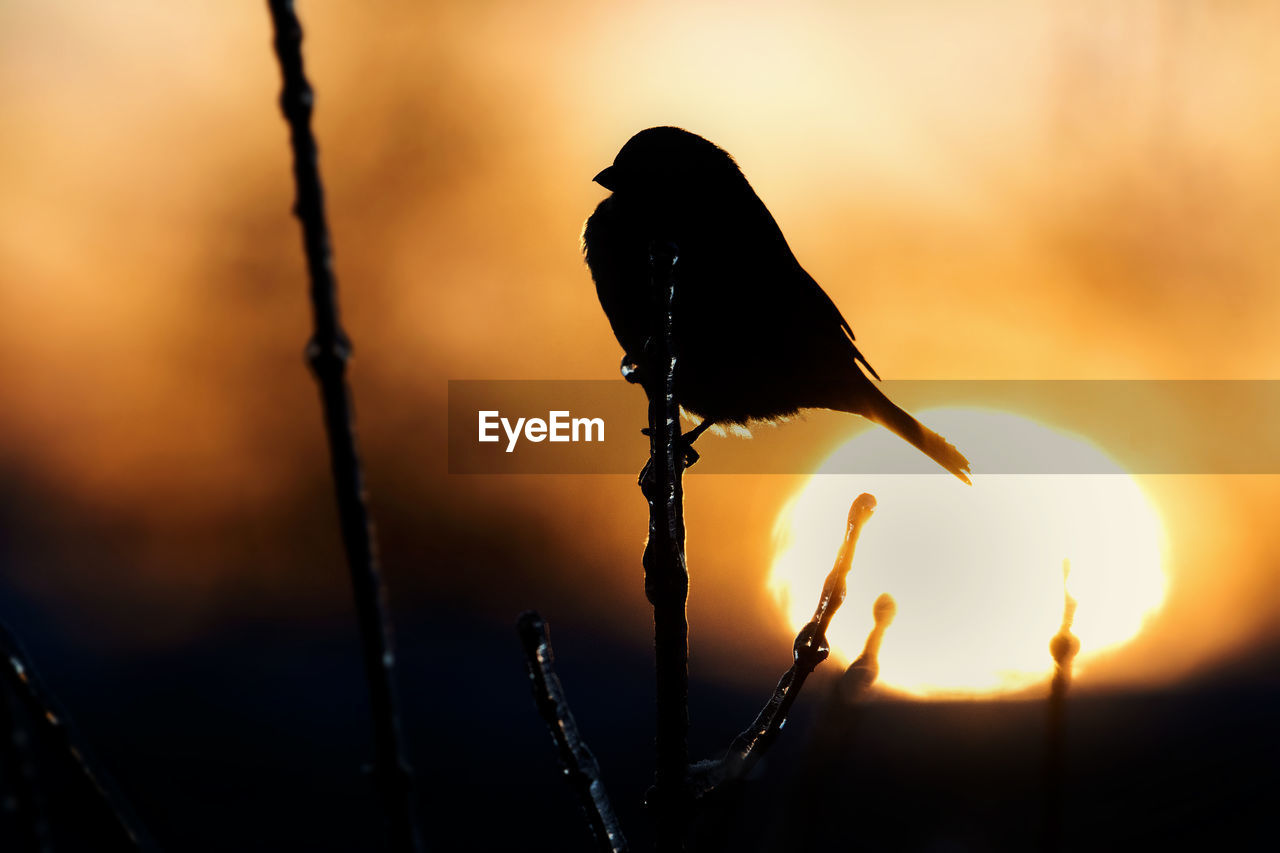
(977, 572)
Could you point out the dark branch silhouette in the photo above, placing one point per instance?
(25, 692)
(810, 649)
(580, 766)
(327, 354)
(22, 801)
(1063, 647)
(666, 576)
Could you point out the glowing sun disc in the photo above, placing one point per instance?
(976, 571)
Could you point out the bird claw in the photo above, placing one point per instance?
(690, 456)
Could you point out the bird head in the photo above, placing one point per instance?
(672, 163)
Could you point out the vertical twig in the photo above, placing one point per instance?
(863, 672)
(580, 766)
(327, 354)
(1063, 647)
(666, 576)
(26, 691)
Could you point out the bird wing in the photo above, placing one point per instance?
(819, 304)
(825, 305)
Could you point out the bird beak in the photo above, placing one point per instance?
(607, 178)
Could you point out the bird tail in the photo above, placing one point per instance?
(875, 406)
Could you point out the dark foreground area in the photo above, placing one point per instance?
(253, 742)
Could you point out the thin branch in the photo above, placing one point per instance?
(579, 764)
(22, 684)
(833, 734)
(666, 576)
(809, 650)
(22, 800)
(863, 672)
(327, 353)
(1064, 646)
(818, 789)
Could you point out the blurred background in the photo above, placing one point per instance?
(1033, 190)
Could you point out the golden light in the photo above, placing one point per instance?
(977, 571)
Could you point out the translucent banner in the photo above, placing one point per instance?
(1003, 427)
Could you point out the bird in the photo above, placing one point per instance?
(757, 338)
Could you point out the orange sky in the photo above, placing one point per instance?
(1011, 190)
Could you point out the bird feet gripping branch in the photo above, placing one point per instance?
(637, 372)
(686, 441)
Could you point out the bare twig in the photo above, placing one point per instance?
(1063, 647)
(580, 766)
(863, 672)
(666, 576)
(810, 649)
(835, 728)
(818, 788)
(21, 801)
(22, 685)
(327, 353)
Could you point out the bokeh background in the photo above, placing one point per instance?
(1004, 190)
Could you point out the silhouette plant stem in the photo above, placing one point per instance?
(863, 672)
(1063, 647)
(820, 783)
(666, 575)
(580, 766)
(328, 352)
(810, 649)
(22, 690)
(22, 799)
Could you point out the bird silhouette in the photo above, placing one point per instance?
(757, 338)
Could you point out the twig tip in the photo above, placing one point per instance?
(532, 629)
(884, 610)
(862, 507)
